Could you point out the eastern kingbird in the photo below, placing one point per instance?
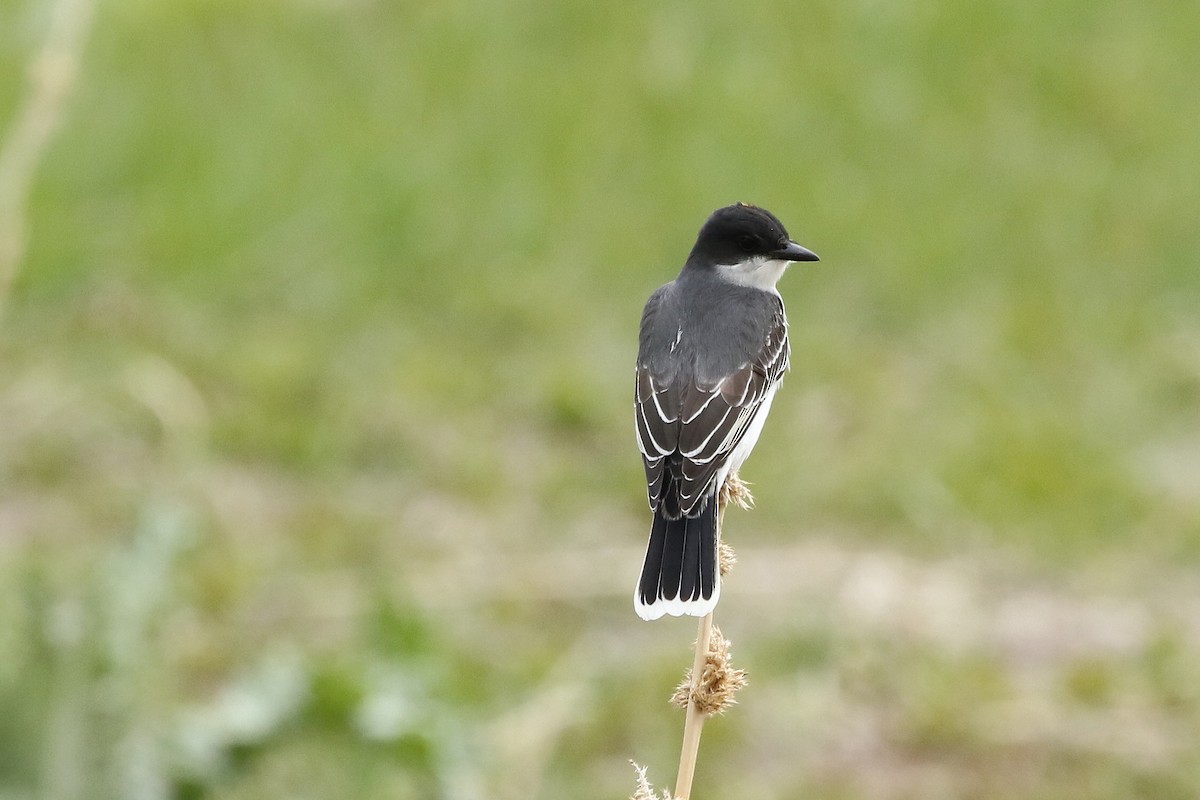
(713, 350)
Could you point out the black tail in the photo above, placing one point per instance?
(680, 573)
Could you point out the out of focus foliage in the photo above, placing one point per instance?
(317, 474)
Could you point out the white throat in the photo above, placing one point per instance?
(758, 272)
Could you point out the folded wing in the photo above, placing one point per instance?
(687, 427)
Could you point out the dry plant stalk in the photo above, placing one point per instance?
(714, 691)
(726, 558)
(694, 723)
(644, 790)
(710, 685)
(735, 491)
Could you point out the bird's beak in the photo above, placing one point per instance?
(794, 252)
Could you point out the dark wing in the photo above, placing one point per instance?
(656, 408)
(696, 427)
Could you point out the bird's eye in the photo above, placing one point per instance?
(747, 243)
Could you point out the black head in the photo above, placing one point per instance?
(735, 234)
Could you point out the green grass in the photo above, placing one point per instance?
(316, 467)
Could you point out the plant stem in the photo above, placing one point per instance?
(52, 74)
(695, 720)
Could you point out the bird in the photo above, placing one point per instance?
(712, 351)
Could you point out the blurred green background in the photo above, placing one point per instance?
(317, 472)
